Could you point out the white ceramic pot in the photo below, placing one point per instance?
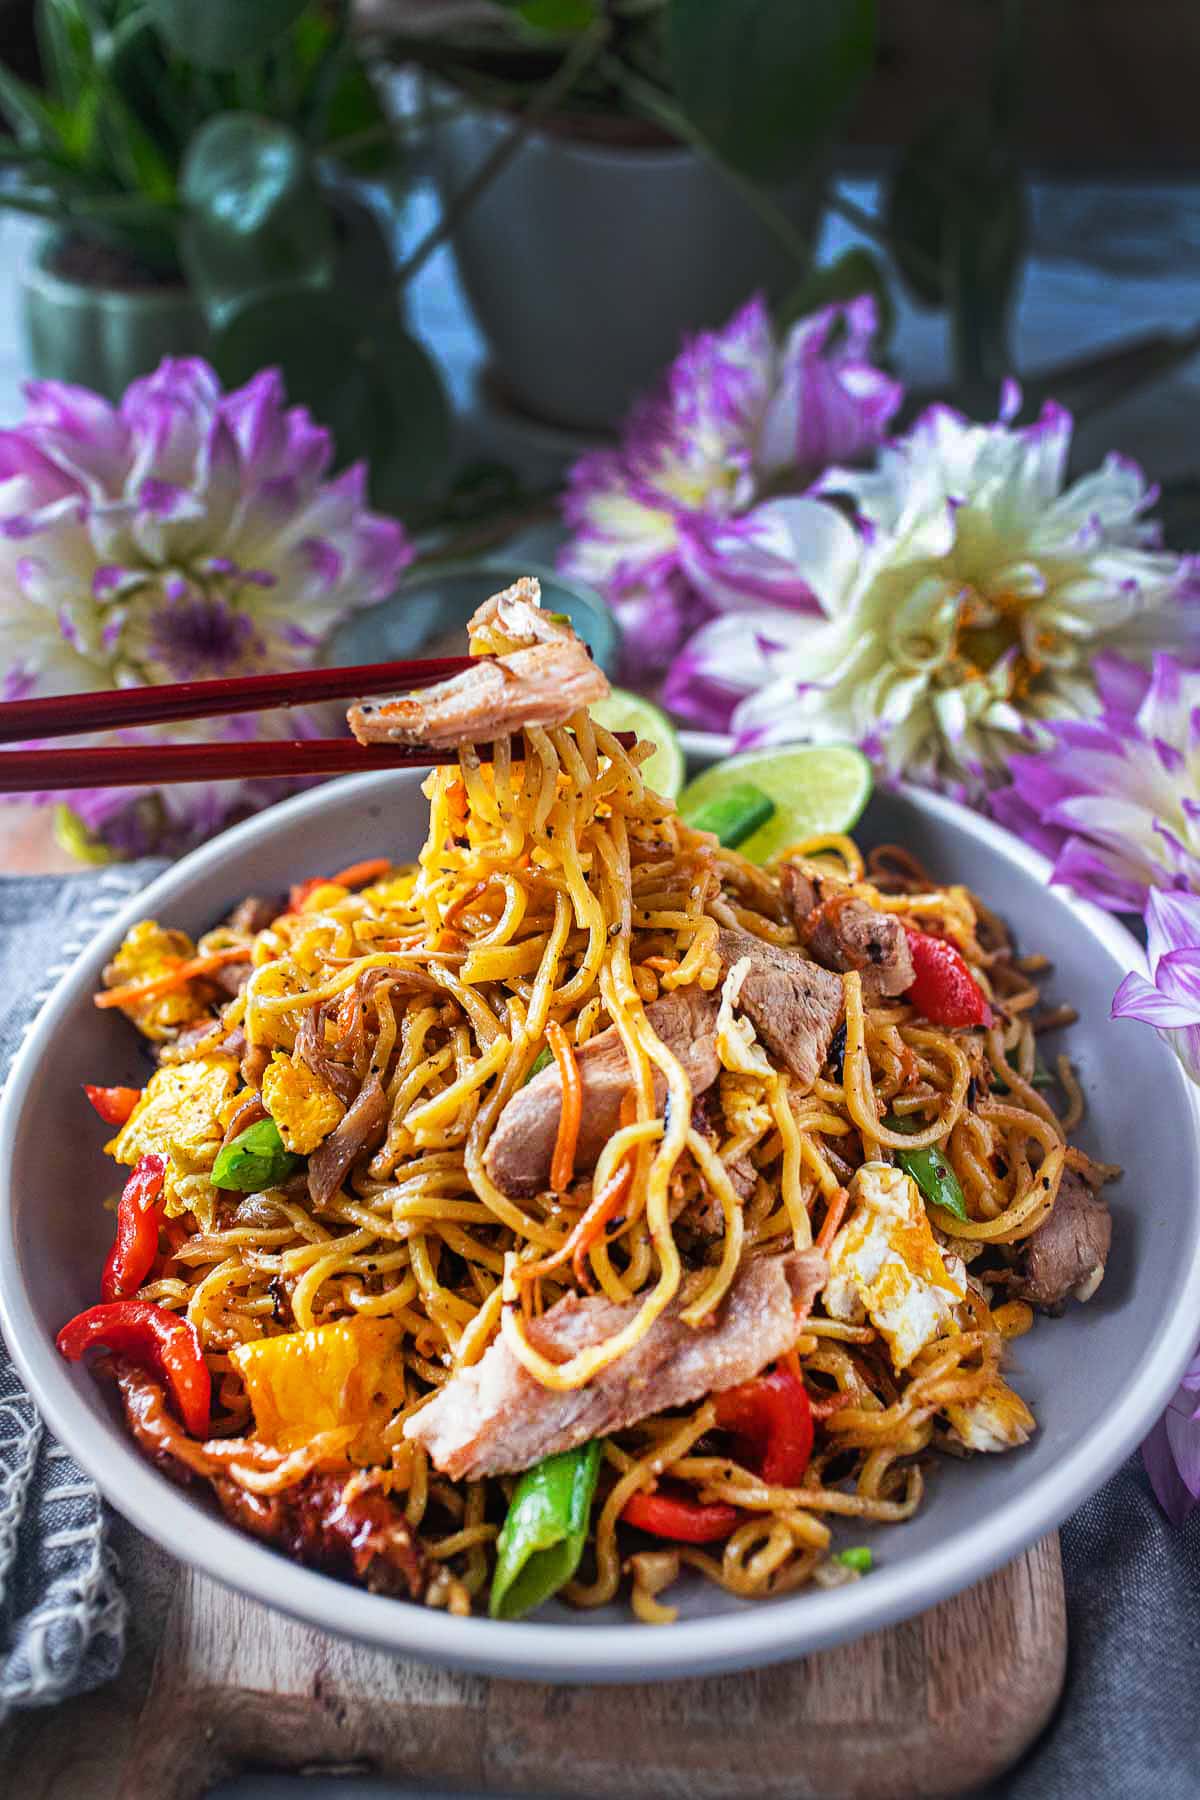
(585, 263)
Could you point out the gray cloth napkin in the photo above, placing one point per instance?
(1126, 1726)
(62, 1616)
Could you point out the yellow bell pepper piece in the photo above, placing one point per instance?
(348, 1373)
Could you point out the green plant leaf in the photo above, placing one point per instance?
(857, 271)
(354, 111)
(767, 82)
(559, 17)
(31, 120)
(361, 375)
(956, 220)
(223, 34)
(255, 217)
(955, 167)
(156, 92)
(65, 45)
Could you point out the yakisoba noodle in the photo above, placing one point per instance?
(559, 890)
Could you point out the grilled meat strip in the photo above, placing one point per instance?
(846, 933)
(794, 1005)
(519, 1153)
(1067, 1253)
(494, 1418)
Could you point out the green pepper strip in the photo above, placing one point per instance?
(542, 1538)
(929, 1169)
(542, 1060)
(255, 1159)
(858, 1558)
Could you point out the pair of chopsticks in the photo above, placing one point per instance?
(158, 765)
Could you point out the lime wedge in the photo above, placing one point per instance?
(816, 788)
(623, 711)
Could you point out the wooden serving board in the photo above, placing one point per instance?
(217, 1684)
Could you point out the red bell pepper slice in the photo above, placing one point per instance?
(139, 1216)
(153, 1338)
(686, 1521)
(772, 1417)
(944, 990)
(114, 1104)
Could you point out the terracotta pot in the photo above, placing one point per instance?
(585, 263)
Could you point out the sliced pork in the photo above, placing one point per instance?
(361, 1130)
(794, 1005)
(1066, 1254)
(255, 913)
(514, 620)
(522, 1145)
(494, 1418)
(844, 932)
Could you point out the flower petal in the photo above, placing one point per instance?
(1172, 923)
(1136, 998)
(1171, 1491)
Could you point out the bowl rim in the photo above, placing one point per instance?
(787, 1628)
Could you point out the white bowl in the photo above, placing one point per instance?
(1096, 1378)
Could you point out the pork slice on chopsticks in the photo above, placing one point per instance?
(545, 678)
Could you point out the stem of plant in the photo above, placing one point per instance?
(874, 228)
(646, 99)
(587, 46)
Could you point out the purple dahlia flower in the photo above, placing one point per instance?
(1116, 800)
(184, 533)
(659, 523)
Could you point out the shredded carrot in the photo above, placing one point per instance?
(136, 991)
(465, 900)
(562, 1163)
(362, 874)
(834, 1213)
(664, 964)
(603, 1207)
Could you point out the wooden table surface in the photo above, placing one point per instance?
(27, 845)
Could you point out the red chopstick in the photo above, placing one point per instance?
(66, 715)
(161, 765)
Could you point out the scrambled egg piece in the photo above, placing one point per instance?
(998, 1420)
(150, 950)
(348, 1374)
(304, 1107)
(179, 1115)
(319, 898)
(393, 890)
(885, 1264)
(737, 1043)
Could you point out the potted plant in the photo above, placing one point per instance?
(617, 172)
(195, 166)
